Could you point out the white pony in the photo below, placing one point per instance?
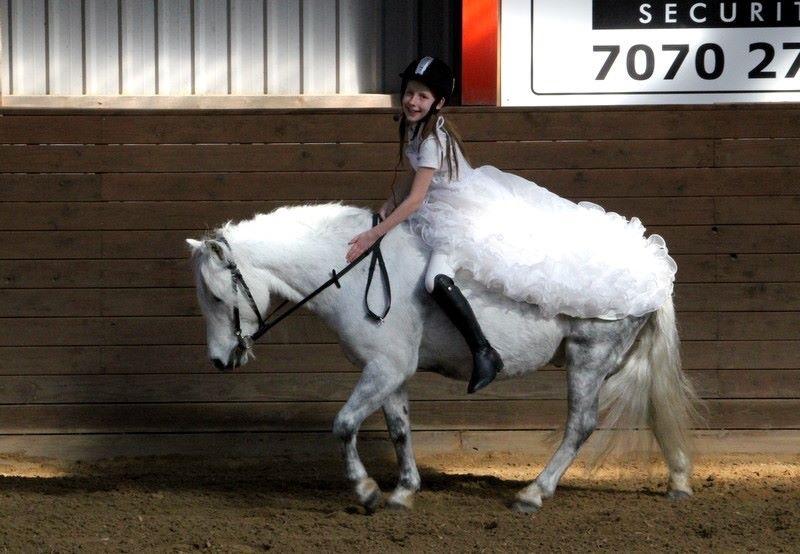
(291, 251)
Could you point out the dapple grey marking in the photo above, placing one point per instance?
(289, 252)
(395, 410)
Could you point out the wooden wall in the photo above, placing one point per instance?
(101, 345)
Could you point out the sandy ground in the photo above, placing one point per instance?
(185, 505)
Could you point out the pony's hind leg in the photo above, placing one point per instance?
(378, 380)
(588, 363)
(395, 410)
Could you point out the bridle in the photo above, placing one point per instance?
(245, 342)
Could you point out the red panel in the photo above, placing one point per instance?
(479, 60)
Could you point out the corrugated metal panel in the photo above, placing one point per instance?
(65, 47)
(138, 47)
(205, 47)
(28, 52)
(247, 46)
(211, 47)
(102, 47)
(359, 46)
(283, 47)
(320, 48)
(4, 49)
(174, 47)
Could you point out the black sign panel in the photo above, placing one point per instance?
(690, 14)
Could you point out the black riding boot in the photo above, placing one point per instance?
(486, 362)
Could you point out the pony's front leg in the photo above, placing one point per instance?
(378, 380)
(395, 410)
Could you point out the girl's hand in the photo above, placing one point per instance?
(360, 244)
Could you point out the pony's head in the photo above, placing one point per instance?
(212, 259)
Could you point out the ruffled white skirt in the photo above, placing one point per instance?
(534, 246)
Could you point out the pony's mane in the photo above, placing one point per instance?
(292, 222)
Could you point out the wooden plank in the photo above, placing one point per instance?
(737, 296)
(299, 357)
(610, 123)
(347, 156)
(318, 416)
(275, 447)
(537, 443)
(373, 446)
(37, 187)
(737, 268)
(740, 181)
(68, 331)
(376, 125)
(137, 215)
(154, 244)
(95, 273)
(155, 359)
(309, 185)
(127, 215)
(574, 184)
(758, 209)
(730, 239)
(49, 244)
(38, 360)
(111, 273)
(757, 152)
(741, 354)
(324, 387)
(182, 301)
(739, 325)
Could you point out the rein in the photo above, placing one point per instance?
(264, 325)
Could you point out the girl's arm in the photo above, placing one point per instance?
(419, 188)
(397, 195)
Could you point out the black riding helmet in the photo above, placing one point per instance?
(434, 74)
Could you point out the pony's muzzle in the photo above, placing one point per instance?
(223, 366)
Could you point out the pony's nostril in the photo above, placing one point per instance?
(219, 364)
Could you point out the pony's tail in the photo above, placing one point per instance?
(651, 390)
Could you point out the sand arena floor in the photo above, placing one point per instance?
(185, 505)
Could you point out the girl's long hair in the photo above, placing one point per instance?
(452, 140)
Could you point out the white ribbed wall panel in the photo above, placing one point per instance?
(138, 47)
(65, 47)
(211, 46)
(359, 46)
(28, 64)
(283, 47)
(204, 47)
(247, 46)
(319, 44)
(102, 47)
(174, 47)
(4, 49)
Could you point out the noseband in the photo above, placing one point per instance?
(245, 342)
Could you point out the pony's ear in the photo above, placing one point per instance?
(194, 244)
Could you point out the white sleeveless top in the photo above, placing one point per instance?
(430, 153)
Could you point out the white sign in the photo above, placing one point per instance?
(585, 52)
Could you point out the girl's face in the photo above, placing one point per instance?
(417, 101)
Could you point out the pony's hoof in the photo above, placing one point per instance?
(525, 507)
(369, 494)
(678, 496)
(401, 499)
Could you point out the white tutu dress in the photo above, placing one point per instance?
(532, 245)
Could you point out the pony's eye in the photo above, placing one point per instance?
(215, 299)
